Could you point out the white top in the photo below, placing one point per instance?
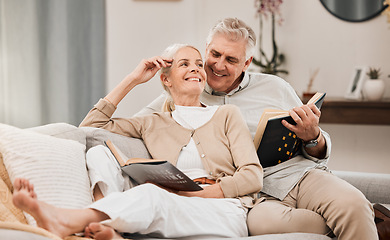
(189, 161)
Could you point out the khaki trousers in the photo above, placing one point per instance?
(318, 202)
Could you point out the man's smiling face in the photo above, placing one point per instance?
(225, 62)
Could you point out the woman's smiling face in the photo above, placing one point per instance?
(187, 76)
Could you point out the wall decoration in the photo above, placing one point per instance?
(354, 90)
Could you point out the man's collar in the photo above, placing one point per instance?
(244, 83)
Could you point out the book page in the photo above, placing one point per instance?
(161, 173)
(143, 160)
(156, 171)
(116, 152)
(120, 156)
(267, 114)
(317, 99)
(314, 98)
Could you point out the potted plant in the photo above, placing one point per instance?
(309, 93)
(374, 87)
(374, 73)
(269, 64)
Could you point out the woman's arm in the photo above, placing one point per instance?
(212, 191)
(248, 177)
(100, 115)
(145, 70)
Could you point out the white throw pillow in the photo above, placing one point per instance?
(55, 166)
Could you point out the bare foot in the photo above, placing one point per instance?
(99, 231)
(62, 222)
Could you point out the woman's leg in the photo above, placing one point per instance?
(62, 222)
(148, 209)
(99, 231)
(104, 172)
(145, 209)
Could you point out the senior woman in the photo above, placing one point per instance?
(211, 142)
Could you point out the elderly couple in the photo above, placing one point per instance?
(204, 124)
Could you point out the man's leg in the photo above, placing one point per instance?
(346, 210)
(274, 216)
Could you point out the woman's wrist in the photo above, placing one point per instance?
(121, 90)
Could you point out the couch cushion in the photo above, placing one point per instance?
(131, 147)
(62, 130)
(8, 212)
(55, 166)
(372, 185)
(289, 236)
(16, 231)
(4, 174)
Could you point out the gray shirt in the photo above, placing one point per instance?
(255, 93)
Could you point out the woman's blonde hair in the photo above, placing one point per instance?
(170, 52)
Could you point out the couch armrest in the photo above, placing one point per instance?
(375, 186)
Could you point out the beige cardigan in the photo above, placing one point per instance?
(224, 144)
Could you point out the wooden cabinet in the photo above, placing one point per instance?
(342, 111)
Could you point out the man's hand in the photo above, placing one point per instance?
(307, 118)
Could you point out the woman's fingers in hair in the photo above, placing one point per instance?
(160, 62)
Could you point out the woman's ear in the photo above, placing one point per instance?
(165, 80)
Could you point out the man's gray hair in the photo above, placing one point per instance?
(236, 30)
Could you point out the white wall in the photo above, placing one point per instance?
(313, 38)
(141, 29)
(310, 38)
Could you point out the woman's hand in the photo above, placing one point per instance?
(147, 68)
(211, 191)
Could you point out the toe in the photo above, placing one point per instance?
(17, 184)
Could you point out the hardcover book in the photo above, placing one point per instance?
(155, 171)
(274, 142)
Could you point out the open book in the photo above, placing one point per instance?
(273, 141)
(160, 172)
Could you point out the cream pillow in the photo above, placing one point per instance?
(55, 166)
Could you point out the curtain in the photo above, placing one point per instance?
(52, 60)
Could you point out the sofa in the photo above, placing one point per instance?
(53, 158)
